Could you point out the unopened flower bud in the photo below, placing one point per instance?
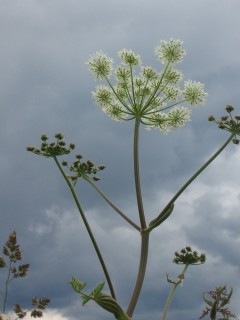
(229, 108)
(211, 118)
(235, 141)
(44, 137)
(30, 148)
(58, 136)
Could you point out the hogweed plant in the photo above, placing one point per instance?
(153, 99)
(10, 262)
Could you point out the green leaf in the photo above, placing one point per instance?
(97, 290)
(85, 299)
(77, 285)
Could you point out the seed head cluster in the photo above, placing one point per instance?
(229, 123)
(83, 169)
(188, 257)
(52, 149)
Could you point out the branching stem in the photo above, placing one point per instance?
(112, 204)
(197, 173)
(88, 229)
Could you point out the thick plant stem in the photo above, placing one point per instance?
(137, 174)
(141, 273)
(144, 235)
(112, 205)
(197, 173)
(88, 229)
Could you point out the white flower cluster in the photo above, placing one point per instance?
(150, 96)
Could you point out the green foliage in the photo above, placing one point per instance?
(103, 300)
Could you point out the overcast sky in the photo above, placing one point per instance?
(45, 87)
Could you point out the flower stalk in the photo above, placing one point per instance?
(88, 228)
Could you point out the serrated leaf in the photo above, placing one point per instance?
(85, 299)
(98, 289)
(77, 285)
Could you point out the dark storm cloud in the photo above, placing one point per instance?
(45, 87)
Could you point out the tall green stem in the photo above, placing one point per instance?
(88, 229)
(193, 177)
(137, 174)
(144, 235)
(170, 296)
(141, 273)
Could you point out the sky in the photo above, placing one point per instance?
(45, 87)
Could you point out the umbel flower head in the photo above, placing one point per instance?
(154, 97)
(52, 149)
(229, 123)
(188, 257)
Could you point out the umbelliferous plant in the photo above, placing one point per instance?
(151, 98)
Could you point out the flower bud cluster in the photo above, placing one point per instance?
(148, 94)
(187, 256)
(229, 123)
(52, 149)
(83, 169)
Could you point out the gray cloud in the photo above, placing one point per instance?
(45, 87)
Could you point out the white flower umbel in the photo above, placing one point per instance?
(100, 65)
(129, 57)
(176, 118)
(143, 93)
(193, 93)
(170, 51)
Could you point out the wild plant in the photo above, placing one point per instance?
(10, 262)
(150, 98)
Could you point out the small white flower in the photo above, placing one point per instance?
(172, 76)
(129, 57)
(158, 120)
(123, 75)
(194, 92)
(116, 112)
(100, 65)
(149, 73)
(170, 51)
(178, 116)
(171, 93)
(103, 96)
